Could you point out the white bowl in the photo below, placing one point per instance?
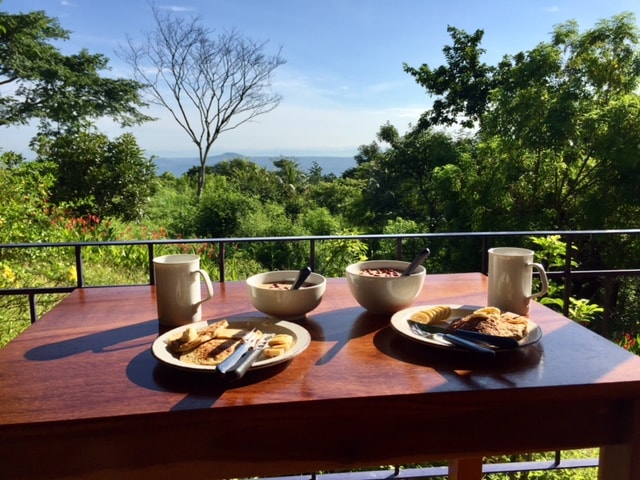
(384, 295)
(285, 304)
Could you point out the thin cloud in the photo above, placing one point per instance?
(176, 8)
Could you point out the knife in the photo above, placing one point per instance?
(493, 340)
(248, 341)
(468, 344)
(236, 370)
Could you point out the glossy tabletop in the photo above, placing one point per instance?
(81, 395)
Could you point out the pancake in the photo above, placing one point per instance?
(505, 324)
(212, 352)
(190, 338)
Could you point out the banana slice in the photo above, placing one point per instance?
(281, 340)
(435, 314)
(271, 352)
(489, 311)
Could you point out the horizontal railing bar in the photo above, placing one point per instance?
(443, 471)
(36, 290)
(550, 274)
(381, 236)
(567, 275)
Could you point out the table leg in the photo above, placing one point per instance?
(622, 462)
(465, 469)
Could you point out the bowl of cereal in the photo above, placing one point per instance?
(271, 293)
(380, 287)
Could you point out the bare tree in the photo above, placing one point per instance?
(209, 85)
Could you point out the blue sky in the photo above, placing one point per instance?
(343, 78)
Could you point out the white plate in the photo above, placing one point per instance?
(301, 340)
(400, 324)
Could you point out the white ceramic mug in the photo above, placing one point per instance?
(510, 278)
(178, 295)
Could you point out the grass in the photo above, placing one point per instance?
(563, 474)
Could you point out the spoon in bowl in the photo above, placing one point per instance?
(416, 261)
(302, 276)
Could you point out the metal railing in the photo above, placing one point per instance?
(485, 241)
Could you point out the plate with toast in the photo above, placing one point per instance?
(435, 325)
(204, 345)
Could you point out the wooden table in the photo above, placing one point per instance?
(83, 397)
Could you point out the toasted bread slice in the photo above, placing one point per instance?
(188, 342)
(212, 352)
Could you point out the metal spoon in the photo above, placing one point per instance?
(302, 276)
(416, 261)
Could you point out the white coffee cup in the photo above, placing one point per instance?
(178, 295)
(510, 278)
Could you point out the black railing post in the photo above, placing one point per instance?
(312, 254)
(33, 312)
(557, 460)
(221, 260)
(567, 276)
(485, 255)
(79, 266)
(152, 271)
(399, 248)
(608, 295)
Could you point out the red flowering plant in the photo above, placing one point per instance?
(630, 342)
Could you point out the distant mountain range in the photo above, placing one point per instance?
(179, 165)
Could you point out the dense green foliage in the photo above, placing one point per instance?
(92, 175)
(556, 126)
(102, 177)
(64, 92)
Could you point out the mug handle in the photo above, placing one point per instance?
(544, 287)
(207, 281)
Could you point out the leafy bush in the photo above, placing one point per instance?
(99, 176)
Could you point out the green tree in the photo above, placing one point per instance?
(401, 179)
(315, 173)
(377, 201)
(26, 191)
(464, 84)
(222, 207)
(341, 197)
(65, 93)
(557, 124)
(291, 178)
(292, 186)
(99, 176)
(250, 178)
(173, 206)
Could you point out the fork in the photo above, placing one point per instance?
(248, 341)
(237, 371)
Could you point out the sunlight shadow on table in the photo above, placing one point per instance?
(332, 327)
(201, 389)
(109, 340)
(460, 365)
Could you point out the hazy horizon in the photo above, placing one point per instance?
(178, 165)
